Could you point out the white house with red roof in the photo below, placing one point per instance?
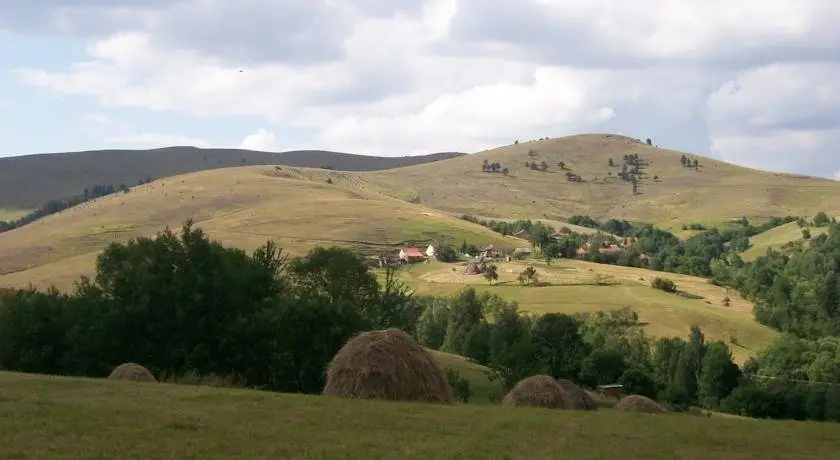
(411, 254)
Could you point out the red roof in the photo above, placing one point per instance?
(413, 252)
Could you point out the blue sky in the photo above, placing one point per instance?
(752, 83)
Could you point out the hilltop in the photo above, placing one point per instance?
(669, 193)
(29, 181)
(241, 207)
(71, 418)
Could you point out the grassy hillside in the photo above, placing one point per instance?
(64, 418)
(29, 181)
(776, 238)
(241, 207)
(715, 192)
(574, 288)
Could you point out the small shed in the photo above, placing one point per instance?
(430, 251)
(644, 258)
(524, 234)
(612, 391)
(522, 252)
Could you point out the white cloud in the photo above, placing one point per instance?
(752, 82)
(261, 140)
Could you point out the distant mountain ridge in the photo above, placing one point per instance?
(29, 181)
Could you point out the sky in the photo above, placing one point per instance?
(755, 83)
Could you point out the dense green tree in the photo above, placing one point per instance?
(559, 345)
(719, 375)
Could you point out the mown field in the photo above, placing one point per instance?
(57, 418)
(241, 207)
(577, 286)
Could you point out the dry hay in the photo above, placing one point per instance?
(475, 268)
(580, 399)
(132, 371)
(388, 365)
(538, 391)
(638, 403)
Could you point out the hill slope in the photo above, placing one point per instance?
(670, 194)
(241, 207)
(29, 181)
(583, 287)
(776, 238)
(67, 418)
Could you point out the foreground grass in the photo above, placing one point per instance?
(66, 418)
(574, 288)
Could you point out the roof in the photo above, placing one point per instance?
(607, 387)
(412, 252)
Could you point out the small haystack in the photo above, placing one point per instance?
(637, 403)
(387, 365)
(538, 391)
(580, 399)
(475, 268)
(132, 371)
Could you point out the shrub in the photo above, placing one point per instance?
(663, 285)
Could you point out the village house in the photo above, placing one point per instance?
(581, 252)
(490, 252)
(522, 252)
(644, 258)
(411, 255)
(610, 250)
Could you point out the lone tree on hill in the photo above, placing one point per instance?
(562, 164)
(611, 163)
(544, 166)
(528, 277)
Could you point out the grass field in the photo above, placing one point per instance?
(776, 237)
(11, 214)
(717, 192)
(242, 207)
(574, 288)
(68, 418)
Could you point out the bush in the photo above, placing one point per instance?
(663, 285)
(460, 386)
(447, 254)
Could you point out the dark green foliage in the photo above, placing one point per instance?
(540, 232)
(718, 375)
(460, 386)
(559, 345)
(446, 253)
(54, 206)
(663, 285)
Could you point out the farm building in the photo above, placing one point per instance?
(411, 255)
(644, 258)
(524, 234)
(490, 251)
(612, 250)
(613, 391)
(522, 252)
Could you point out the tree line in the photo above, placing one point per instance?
(184, 304)
(55, 206)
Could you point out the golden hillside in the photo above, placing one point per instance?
(716, 192)
(241, 207)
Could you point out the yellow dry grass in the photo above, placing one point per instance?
(241, 207)
(716, 193)
(573, 288)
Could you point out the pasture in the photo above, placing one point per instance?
(577, 287)
(47, 417)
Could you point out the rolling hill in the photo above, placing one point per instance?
(669, 193)
(775, 238)
(242, 207)
(29, 181)
(71, 418)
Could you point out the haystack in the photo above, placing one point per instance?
(580, 399)
(387, 365)
(538, 391)
(475, 268)
(637, 403)
(132, 371)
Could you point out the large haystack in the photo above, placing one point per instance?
(637, 403)
(538, 391)
(132, 371)
(388, 365)
(475, 268)
(580, 399)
